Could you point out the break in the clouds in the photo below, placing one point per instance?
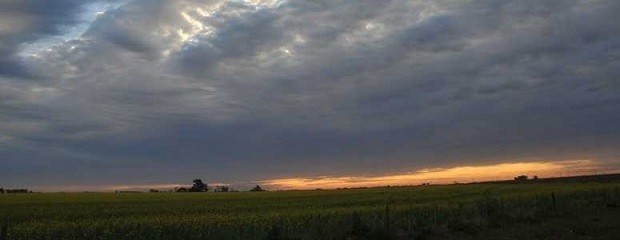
(155, 91)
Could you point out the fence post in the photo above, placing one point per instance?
(387, 216)
(553, 200)
(4, 231)
(319, 226)
(410, 217)
(435, 213)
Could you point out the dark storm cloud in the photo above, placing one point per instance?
(162, 91)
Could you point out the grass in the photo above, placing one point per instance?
(567, 209)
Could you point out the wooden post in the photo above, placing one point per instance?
(413, 216)
(553, 201)
(387, 216)
(4, 232)
(319, 226)
(435, 212)
(410, 217)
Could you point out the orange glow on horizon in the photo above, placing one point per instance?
(503, 171)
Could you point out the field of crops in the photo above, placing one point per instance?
(571, 209)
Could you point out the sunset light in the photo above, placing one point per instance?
(462, 174)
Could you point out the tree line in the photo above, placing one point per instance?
(199, 186)
(3, 191)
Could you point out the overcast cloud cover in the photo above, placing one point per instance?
(157, 91)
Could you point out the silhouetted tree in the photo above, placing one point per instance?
(521, 178)
(181, 189)
(1, 190)
(199, 186)
(257, 189)
(153, 190)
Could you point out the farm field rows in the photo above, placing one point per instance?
(578, 209)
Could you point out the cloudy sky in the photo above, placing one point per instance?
(152, 92)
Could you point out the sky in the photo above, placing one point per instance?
(121, 94)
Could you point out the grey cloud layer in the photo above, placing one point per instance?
(238, 90)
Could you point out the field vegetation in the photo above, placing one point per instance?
(574, 208)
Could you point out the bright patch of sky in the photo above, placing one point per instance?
(263, 3)
(72, 32)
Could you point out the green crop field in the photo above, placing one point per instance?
(577, 208)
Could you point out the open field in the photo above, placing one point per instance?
(575, 208)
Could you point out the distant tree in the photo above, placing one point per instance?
(521, 178)
(153, 190)
(221, 189)
(257, 189)
(535, 178)
(1, 190)
(181, 189)
(125, 192)
(16, 190)
(199, 186)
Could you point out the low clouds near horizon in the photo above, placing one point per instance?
(153, 91)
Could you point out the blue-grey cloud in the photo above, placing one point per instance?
(162, 91)
(23, 22)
